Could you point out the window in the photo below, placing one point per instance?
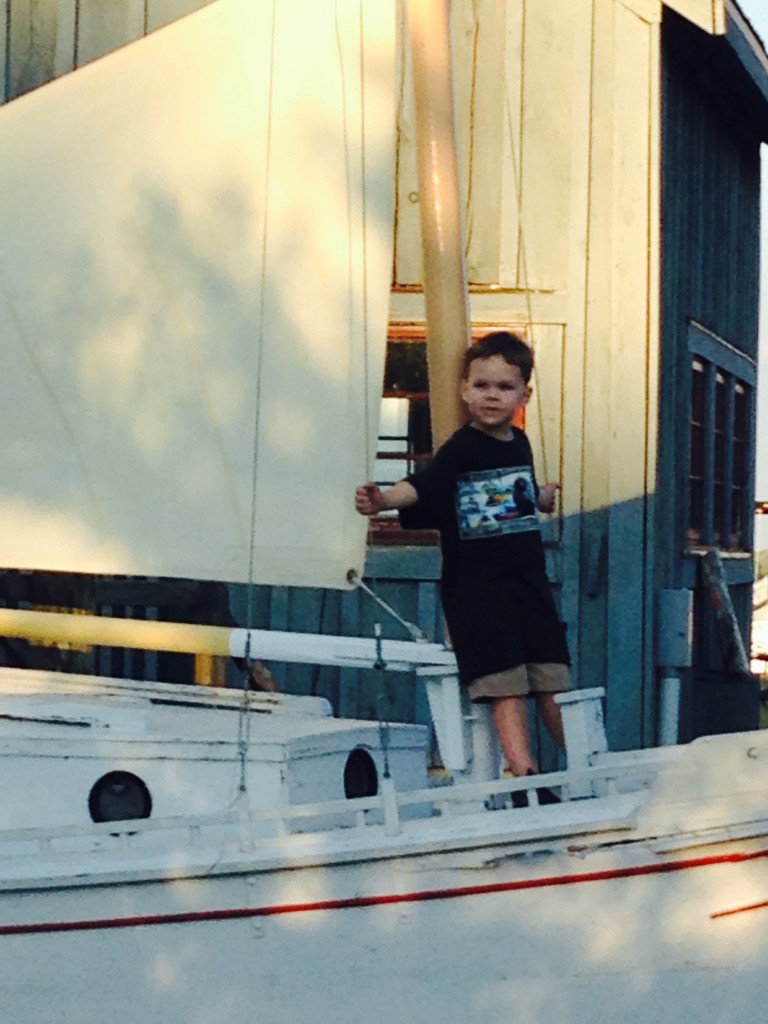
(720, 440)
(405, 432)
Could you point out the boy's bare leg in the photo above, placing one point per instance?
(551, 716)
(510, 717)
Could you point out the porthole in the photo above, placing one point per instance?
(119, 796)
(360, 775)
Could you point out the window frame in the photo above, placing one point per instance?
(722, 477)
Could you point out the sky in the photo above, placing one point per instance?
(757, 12)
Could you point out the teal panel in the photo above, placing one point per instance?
(710, 278)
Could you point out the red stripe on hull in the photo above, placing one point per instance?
(354, 902)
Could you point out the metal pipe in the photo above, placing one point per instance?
(445, 279)
(669, 708)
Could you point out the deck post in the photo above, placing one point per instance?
(584, 729)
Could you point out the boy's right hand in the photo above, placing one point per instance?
(369, 499)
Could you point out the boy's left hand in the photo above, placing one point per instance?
(548, 497)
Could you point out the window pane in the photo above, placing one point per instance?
(405, 435)
(420, 427)
(696, 522)
(392, 461)
(739, 455)
(740, 411)
(721, 441)
(406, 367)
(699, 392)
(697, 469)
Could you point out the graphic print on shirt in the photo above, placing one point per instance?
(491, 502)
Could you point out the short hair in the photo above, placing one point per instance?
(509, 346)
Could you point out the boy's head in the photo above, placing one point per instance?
(513, 350)
(494, 385)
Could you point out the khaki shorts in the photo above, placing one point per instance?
(520, 681)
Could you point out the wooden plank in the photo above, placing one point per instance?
(66, 29)
(428, 613)
(648, 10)
(348, 703)
(478, 58)
(544, 414)
(548, 54)
(509, 216)
(32, 34)
(37, 43)
(595, 440)
(731, 641)
(477, 41)
(104, 26)
(304, 614)
(707, 14)
(4, 11)
(631, 404)
(575, 336)
(653, 521)
(42, 42)
(163, 12)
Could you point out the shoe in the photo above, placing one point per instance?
(547, 796)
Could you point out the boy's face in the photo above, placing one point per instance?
(493, 391)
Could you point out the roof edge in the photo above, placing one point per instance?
(709, 15)
(748, 48)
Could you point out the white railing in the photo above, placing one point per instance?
(247, 826)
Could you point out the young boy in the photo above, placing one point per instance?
(480, 492)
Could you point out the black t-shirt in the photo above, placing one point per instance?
(480, 493)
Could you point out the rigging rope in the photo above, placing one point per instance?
(380, 665)
(369, 435)
(416, 633)
(244, 718)
(524, 278)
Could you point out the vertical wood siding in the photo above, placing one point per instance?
(711, 190)
(42, 39)
(711, 195)
(514, 66)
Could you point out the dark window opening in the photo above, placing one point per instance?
(360, 775)
(119, 796)
(697, 471)
(405, 433)
(718, 469)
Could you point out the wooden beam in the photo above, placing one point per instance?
(734, 653)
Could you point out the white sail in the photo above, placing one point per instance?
(194, 282)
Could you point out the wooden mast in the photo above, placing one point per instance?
(444, 271)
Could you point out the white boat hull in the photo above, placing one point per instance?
(582, 927)
(641, 897)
